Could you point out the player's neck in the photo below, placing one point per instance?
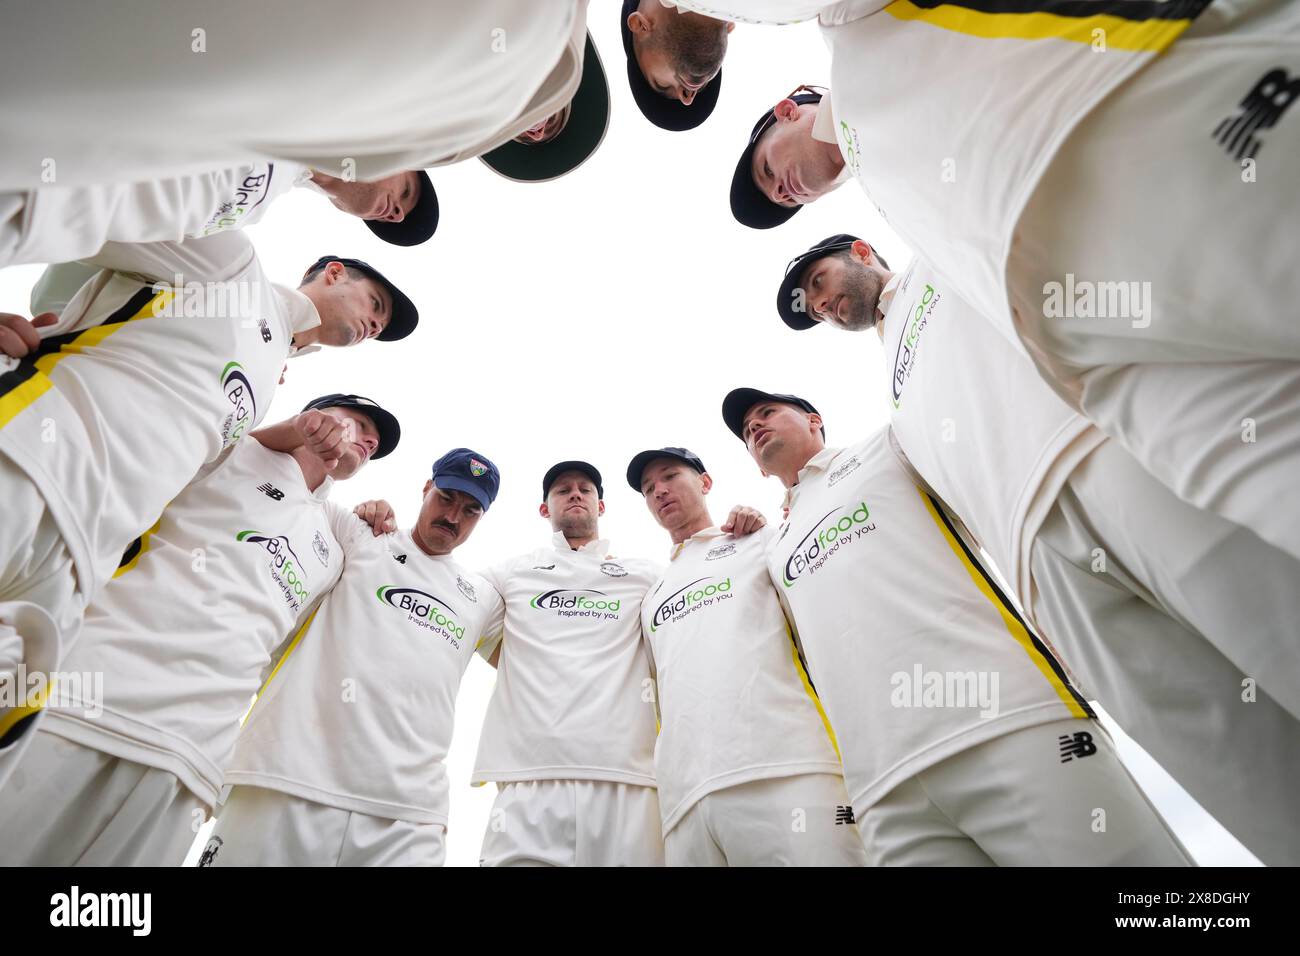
(577, 544)
(691, 528)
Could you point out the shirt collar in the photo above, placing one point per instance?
(887, 295)
(301, 315)
(561, 543)
(818, 462)
(824, 131)
(713, 531)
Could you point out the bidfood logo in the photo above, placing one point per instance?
(910, 341)
(701, 592)
(239, 393)
(424, 609)
(286, 569)
(581, 603)
(837, 528)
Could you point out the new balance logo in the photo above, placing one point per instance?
(1080, 745)
(399, 558)
(266, 329)
(844, 815)
(1263, 106)
(275, 494)
(543, 567)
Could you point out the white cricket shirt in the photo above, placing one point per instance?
(403, 85)
(734, 701)
(63, 224)
(359, 713)
(139, 385)
(976, 421)
(948, 114)
(184, 633)
(908, 644)
(574, 699)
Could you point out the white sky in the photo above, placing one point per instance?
(592, 317)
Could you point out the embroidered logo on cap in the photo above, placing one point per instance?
(477, 468)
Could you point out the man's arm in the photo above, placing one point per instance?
(323, 435)
(211, 259)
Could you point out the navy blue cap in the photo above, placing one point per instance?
(463, 469)
(417, 225)
(740, 400)
(670, 114)
(559, 468)
(748, 204)
(405, 316)
(390, 432)
(637, 465)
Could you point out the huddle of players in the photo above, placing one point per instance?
(1053, 441)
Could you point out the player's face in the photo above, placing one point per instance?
(681, 53)
(789, 167)
(547, 129)
(674, 492)
(776, 433)
(361, 438)
(351, 310)
(447, 518)
(842, 292)
(573, 504)
(387, 200)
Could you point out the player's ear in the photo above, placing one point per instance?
(786, 110)
(638, 23)
(334, 271)
(731, 25)
(815, 421)
(600, 507)
(428, 483)
(544, 511)
(706, 483)
(862, 252)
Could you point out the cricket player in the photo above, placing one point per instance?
(963, 740)
(1061, 247)
(182, 637)
(1155, 628)
(565, 140)
(375, 672)
(746, 763)
(569, 733)
(64, 224)
(159, 364)
(674, 61)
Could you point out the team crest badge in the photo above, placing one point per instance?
(613, 569)
(477, 468)
(466, 588)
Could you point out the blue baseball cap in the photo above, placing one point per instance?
(463, 469)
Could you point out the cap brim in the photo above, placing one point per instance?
(749, 206)
(637, 465)
(580, 138)
(738, 402)
(560, 467)
(417, 225)
(456, 483)
(799, 321)
(670, 114)
(405, 316)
